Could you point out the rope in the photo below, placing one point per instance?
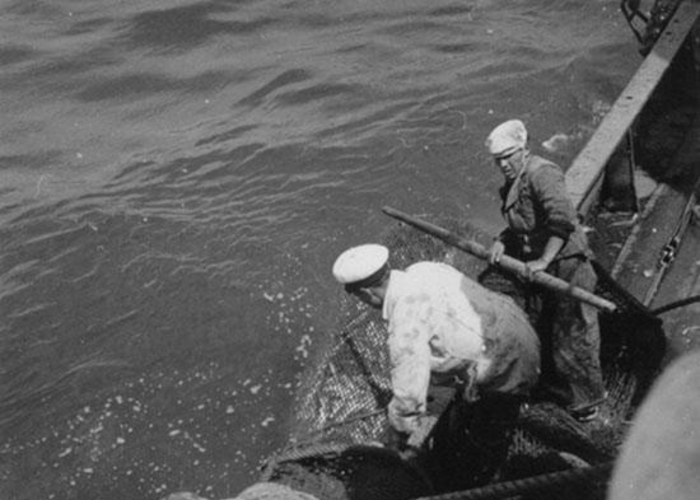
(507, 489)
(349, 420)
(296, 454)
(676, 304)
(310, 439)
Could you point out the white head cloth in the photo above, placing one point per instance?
(507, 138)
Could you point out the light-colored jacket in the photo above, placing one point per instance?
(445, 325)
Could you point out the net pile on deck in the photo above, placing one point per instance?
(334, 451)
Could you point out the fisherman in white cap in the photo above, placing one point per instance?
(543, 231)
(446, 329)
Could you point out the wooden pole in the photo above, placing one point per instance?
(506, 262)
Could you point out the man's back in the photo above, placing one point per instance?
(463, 323)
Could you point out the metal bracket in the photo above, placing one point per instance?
(630, 9)
(669, 251)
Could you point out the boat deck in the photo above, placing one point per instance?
(682, 325)
(659, 263)
(656, 257)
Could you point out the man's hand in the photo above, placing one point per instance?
(496, 252)
(422, 432)
(551, 250)
(395, 440)
(534, 266)
(409, 444)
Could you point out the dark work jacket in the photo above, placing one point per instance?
(536, 206)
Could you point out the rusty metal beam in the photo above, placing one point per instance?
(585, 175)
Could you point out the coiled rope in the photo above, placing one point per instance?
(507, 489)
(494, 491)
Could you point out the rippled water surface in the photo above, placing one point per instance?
(178, 176)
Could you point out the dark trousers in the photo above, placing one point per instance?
(568, 330)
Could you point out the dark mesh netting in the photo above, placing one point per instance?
(344, 394)
(334, 451)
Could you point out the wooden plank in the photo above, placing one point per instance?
(508, 263)
(638, 263)
(584, 176)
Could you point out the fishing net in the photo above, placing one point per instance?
(335, 451)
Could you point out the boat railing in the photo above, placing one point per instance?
(609, 153)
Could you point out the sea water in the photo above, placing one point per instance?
(178, 176)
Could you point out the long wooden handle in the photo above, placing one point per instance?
(506, 262)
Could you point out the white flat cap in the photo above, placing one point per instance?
(359, 263)
(507, 138)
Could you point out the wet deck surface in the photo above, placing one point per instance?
(639, 263)
(682, 325)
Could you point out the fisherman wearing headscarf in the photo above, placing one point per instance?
(543, 231)
(446, 329)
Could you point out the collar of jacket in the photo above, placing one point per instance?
(512, 195)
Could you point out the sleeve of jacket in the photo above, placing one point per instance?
(409, 352)
(549, 186)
